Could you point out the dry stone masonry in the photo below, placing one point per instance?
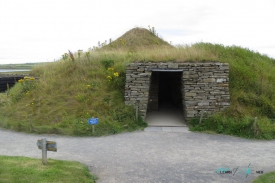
(203, 86)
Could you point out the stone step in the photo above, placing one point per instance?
(166, 129)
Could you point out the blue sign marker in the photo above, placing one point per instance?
(93, 121)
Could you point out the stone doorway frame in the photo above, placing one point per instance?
(154, 90)
(205, 86)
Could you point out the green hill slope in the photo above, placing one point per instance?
(70, 91)
(135, 39)
(252, 94)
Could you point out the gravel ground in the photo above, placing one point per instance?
(153, 156)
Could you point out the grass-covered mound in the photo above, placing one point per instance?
(66, 94)
(91, 84)
(137, 38)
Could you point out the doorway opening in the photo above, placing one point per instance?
(165, 107)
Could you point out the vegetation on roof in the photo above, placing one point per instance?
(91, 84)
(137, 38)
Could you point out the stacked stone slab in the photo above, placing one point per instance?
(204, 87)
(153, 93)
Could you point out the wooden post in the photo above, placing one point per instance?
(44, 151)
(93, 128)
(8, 89)
(136, 112)
(30, 122)
(201, 116)
(255, 128)
(255, 123)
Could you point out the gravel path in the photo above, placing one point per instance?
(153, 156)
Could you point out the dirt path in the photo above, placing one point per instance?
(153, 156)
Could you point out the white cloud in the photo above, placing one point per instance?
(43, 30)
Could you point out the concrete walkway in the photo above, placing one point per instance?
(166, 116)
(154, 156)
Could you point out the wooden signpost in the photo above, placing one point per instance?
(45, 146)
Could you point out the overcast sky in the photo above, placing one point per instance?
(42, 30)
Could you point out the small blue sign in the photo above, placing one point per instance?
(93, 121)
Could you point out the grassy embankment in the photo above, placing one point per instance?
(22, 169)
(252, 86)
(91, 84)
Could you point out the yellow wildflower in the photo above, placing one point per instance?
(109, 77)
(88, 86)
(110, 69)
(116, 74)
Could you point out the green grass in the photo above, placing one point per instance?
(135, 39)
(241, 126)
(28, 170)
(266, 178)
(70, 91)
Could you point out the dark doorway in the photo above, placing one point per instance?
(170, 90)
(165, 106)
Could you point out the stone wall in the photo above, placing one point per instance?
(153, 104)
(204, 86)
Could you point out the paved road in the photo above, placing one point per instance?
(145, 156)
